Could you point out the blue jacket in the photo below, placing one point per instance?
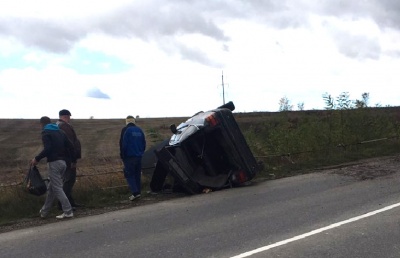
(133, 142)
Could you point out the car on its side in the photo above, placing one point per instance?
(208, 151)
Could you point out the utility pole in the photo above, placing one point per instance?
(223, 88)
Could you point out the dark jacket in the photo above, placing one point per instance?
(132, 142)
(56, 145)
(70, 132)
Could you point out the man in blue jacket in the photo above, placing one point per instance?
(132, 144)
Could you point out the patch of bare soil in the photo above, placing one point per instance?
(368, 169)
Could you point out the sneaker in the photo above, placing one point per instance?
(134, 197)
(42, 215)
(64, 215)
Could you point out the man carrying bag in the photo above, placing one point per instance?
(57, 150)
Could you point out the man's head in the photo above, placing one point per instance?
(130, 120)
(45, 120)
(65, 115)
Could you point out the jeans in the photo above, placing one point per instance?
(133, 173)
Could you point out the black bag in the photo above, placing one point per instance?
(34, 182)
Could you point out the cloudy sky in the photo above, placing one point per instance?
(165, 58)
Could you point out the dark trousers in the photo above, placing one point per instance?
(68, 183)
(133, 173)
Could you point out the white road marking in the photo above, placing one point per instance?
(316, 231)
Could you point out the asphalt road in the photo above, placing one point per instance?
(314, 215)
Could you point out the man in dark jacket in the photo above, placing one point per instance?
(132, 144)
(58, 150)
(70, 174)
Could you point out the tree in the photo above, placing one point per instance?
(284, 104)
(329, 101)
(343, 101)
(363, 103)
(300, 106)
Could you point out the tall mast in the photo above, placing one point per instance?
(223, 88)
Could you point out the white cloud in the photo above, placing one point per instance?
(165, 58)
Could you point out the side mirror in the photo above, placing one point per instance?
(173, 128)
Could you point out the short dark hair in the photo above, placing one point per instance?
(64, 112)
(44, 120)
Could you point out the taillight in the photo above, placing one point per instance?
(212, 120)
(239, 177)
(242, 176)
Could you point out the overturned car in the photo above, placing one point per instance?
(208, 151)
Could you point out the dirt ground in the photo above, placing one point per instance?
(361, 170)
(371, 168)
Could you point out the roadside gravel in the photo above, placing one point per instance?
(86, 211)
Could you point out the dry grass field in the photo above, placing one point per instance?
(20, 141)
